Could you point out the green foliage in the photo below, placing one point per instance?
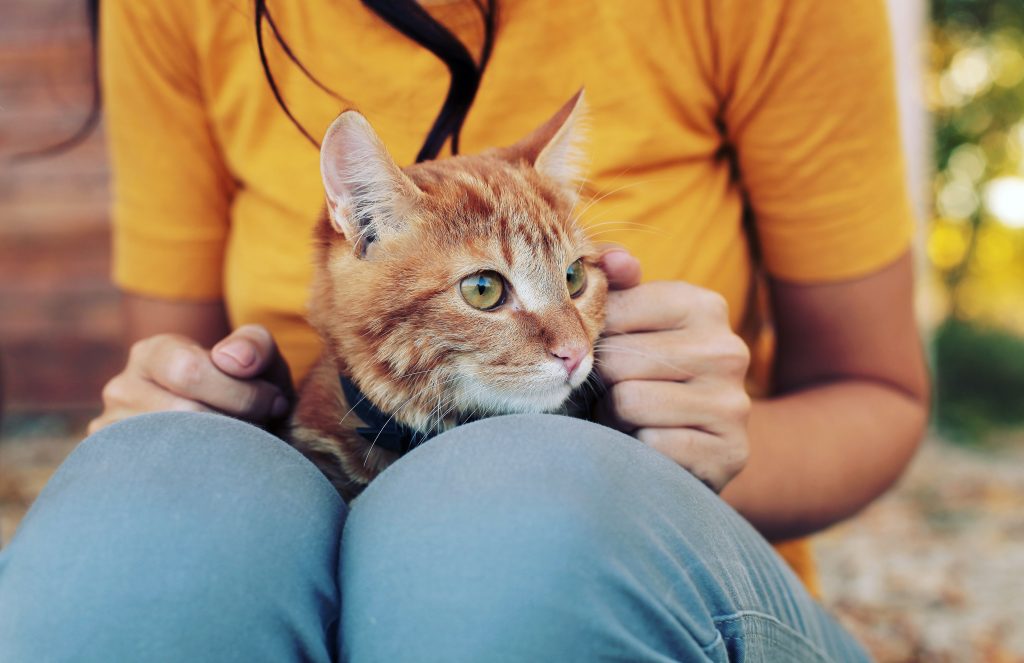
(976, 94)
(979, 380)
(977, 14)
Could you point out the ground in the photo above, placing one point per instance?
(934, 571)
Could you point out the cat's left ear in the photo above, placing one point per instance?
(368, 196)
(555, 149)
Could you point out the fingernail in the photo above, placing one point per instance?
(279, 407)
(241, 352)
(617, 255)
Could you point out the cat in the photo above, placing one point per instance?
(444, 292)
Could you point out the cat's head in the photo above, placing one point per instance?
(461, 286)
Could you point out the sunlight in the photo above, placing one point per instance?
(1004, 199)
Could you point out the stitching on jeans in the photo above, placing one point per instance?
(742, 614)
(713, 644)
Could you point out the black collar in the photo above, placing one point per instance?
(381, 429)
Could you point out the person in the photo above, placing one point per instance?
(744, 156)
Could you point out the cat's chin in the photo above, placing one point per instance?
(492, 401)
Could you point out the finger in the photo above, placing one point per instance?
(663, 305)
(708, 457)
(126, 397)
(629, 406)
(621, 268)
(129, 394)
(671, 355)
(187, 371)
(246, 352)
(250, 351)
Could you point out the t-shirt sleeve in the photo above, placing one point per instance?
(809, 106)
(171, 189)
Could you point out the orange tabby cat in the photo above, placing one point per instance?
(445, 291)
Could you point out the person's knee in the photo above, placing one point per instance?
(192, 479)
(533, 525)
(544, 538)
(170, 529)
(543, 473)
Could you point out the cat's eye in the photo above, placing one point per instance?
(576, 278)
(483, 290)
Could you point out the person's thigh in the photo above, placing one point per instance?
(175, 537)
(543, 538)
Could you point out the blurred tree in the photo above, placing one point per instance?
(975, 91)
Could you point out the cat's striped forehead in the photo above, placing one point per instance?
(492, 205)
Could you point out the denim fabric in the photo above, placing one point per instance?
(186, 537)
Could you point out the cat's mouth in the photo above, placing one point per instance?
(525, 400)
(580, 374)
(552, 399)
(546, 392)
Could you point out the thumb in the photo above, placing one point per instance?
(621, 268)
(249, 352)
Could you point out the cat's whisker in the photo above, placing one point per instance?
(351, 410)
(364, 398)
(616, 176)
(395, 378)
(434, 382)
(437, 409)
(441, 417)
(394, 414)
(606, 215)
(617, 227)
(584, 181)
(617, 189)
(655, 233)
(594, 382)
(646, 355)
(607, 244)
(606, 194)
(606, 334)
(353, 406)
(435, 412)
(591, 226)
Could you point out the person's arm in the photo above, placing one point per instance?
(810, 109)
(203, 322)
(852, 404)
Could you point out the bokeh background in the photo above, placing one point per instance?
(932, 572)
(975, 241)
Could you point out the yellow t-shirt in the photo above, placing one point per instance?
(698, 111)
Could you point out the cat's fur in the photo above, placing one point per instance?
(392, 249)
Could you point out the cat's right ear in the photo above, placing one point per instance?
(555, 148)
(368, 195)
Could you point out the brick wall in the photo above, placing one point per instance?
(59, 324)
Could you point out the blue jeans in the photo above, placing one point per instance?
(189, 537)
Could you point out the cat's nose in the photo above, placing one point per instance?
(571, 356)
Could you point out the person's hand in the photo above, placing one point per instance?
(243, 376)
(674, 371)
